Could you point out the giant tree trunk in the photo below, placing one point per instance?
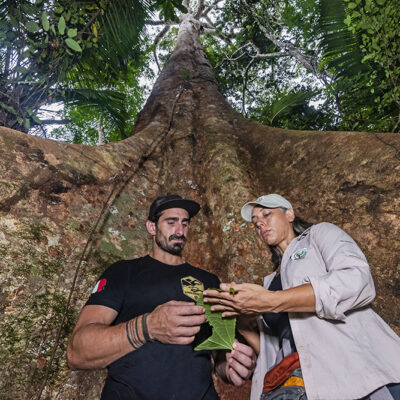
(68, 211)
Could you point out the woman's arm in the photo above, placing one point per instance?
(347, 283)
(252, 299)
(247, 327)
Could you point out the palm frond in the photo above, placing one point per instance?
(120, 30)
(285, 104)
(107, 101)
(340, 46)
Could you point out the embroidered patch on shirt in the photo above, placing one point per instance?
(192, 287)
(299, 254)
(100, 285)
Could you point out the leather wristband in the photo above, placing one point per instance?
(145, 330)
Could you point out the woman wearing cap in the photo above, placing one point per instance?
(317, 337)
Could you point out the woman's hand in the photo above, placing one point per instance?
(235, 299)
(251, 299)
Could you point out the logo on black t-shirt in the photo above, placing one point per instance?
(100, 285)
(192, 287)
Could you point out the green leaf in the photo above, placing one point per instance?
(72, 32)
(59, 10)
(223, 329)
(9, 108)
(61, 25)
(45, 21)
(27, 123)
(347, 20)
(32, 26)
(72, 44)
(36, 119)
(21, 70)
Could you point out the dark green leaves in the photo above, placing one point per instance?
(167, 9)
(72, 32)
(61, 25)
(71, 43)
(45, 21)
(223, 329)
(32, 26)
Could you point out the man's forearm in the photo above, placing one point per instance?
(252, 338)
(96, 345)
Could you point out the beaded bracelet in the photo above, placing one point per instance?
(129, 336)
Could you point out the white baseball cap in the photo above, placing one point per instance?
(268, 200)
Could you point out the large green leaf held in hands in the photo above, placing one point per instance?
(223, 329)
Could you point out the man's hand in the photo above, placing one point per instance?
(240, 363)
(175, 322)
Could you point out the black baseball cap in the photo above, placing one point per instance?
(173, 201)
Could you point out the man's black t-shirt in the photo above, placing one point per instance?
(156, 370)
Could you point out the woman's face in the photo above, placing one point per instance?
(274, 226)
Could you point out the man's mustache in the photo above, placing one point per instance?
(177, 237)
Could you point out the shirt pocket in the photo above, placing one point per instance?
(300, 269)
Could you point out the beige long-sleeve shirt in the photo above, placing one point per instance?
(346, 350)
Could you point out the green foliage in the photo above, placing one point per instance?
(223, 329)
(339, 44)
(360, 40)
(113, 111)
(49, 48)
(377, 26)
(268, 80)
(59, 50)
(167, 9)
(351, 47)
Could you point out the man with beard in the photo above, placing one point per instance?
(141, 321)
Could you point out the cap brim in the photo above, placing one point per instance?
(190, 206)
(247, 210)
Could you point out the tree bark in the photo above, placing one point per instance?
(68, 211)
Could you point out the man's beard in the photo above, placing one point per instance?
(166, 245)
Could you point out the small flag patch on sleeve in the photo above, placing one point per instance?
(100, 285)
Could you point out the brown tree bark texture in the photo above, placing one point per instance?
(68, 211)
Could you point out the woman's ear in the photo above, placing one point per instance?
(151, 227)
(290, 214)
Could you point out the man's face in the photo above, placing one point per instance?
(171, 230)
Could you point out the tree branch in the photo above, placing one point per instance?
(151, 22)
(55, 121)
(199, 10)
(156, 41)
(306, 61)
(244, 86)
